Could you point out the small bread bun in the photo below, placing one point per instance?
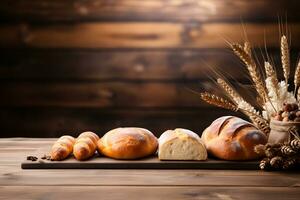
(62, 148)
(85, 145)
(128, 143)
(232, 138)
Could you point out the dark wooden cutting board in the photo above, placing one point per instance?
(98, 162)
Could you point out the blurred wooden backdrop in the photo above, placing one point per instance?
(73, 65)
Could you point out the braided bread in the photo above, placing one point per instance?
(62, 148)
(85, 145)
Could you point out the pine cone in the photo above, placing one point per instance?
(260, 149)
(276, 162)
(271, 152)
(264, 164)
(289, 163)
(287, 150)
(295, 144)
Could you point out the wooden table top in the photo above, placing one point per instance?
(134, 184)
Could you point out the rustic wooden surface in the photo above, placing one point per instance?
(16, 183)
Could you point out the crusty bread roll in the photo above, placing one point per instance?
(128, 143)
(232, 138)
(181, 144)
(62, 148)
(85, 145)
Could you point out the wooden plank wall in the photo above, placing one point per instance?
(73, 65)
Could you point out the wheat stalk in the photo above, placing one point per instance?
(252, 68)
(297, 77)
(285, 57)
(236, 98)
(218, 101)
(223, 103)
(261, 124)
(247, 48)
(271, 74)
(242, 105)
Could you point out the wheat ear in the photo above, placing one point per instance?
(252, 68)
(242, 105)
(298, 96)
(236, 98)
(247, 48)
(271, 74)
(218, 101)
(261, 124)
(285, 57)
(297, 77)
(223, 103)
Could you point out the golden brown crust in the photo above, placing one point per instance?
(85, 145)
(62, 148)
(232, 138)
(128, 143)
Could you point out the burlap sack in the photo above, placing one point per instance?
(281, 131)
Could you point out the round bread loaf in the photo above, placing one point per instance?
(232, 138)
(128, 143)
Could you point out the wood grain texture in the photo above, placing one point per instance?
(146, 35)
(147, 10)
(53, 122)
(107, 94)
(134, 193)
(114, 65)
(140, 177)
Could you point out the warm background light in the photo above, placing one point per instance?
(70, 66)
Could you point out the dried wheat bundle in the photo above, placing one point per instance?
(218, 101)
(252, 68)
(272, 93)
(285, 57)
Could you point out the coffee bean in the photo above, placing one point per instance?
(285, 119)
(287, 107)
(294, 106)
(297, 119)
(278, 118)
(284, 114)
(292, 115)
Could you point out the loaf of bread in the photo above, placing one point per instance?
(62, 148)
(128, 143)
(232, 138)
(181, 144)
(85, 145)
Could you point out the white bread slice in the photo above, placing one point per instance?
(181, 144)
